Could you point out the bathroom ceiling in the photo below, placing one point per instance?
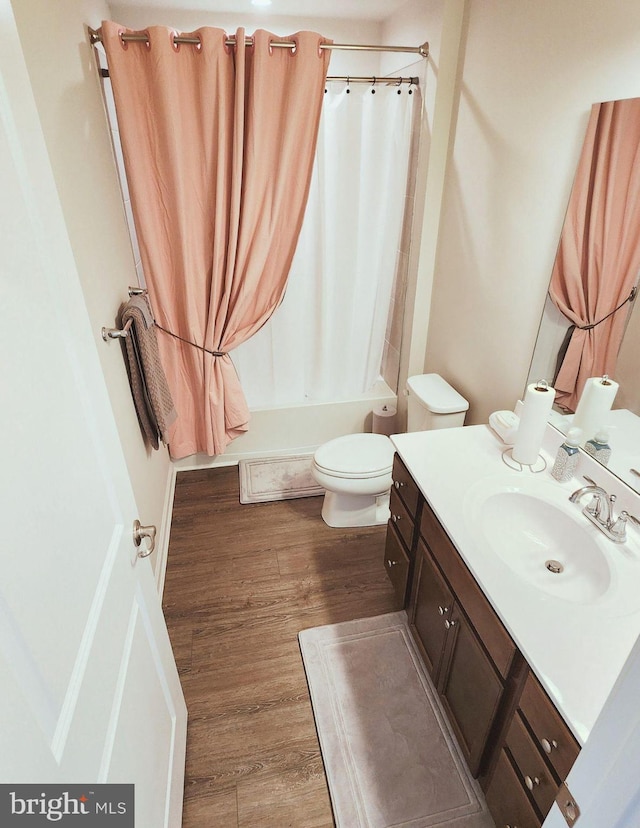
(349, 9)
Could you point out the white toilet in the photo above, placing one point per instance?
(355, 470)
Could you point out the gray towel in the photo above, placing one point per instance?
(151, 395)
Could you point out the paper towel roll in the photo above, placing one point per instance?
(533, 421)
(594, 405)
(384, 420)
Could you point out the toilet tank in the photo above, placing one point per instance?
(433, 403)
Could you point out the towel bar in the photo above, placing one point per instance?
(115, 333)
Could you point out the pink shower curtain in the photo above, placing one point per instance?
(598, 259)
(219, 144)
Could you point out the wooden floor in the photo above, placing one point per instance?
(242, 581)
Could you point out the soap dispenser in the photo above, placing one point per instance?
(567, 456)
(598, 447)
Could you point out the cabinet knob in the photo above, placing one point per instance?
(398, 484)
(531, 783)
(391, 563)
(443, 610)
(449, 624)
(395, 518)
(548, 745)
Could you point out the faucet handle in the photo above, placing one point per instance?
(595, 506)
(619, 528)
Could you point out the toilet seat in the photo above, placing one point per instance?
(356, 456)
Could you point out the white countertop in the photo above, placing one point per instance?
(576, 650)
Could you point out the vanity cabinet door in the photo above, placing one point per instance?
(397, 564)
(432, 610)
(470, 689)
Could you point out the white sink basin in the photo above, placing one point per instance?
(544, 542)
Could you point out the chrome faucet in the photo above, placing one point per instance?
(600, 511)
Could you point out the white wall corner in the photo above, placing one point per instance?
(164, 532)
(442, 137)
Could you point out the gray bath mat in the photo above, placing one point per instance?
(389, 755)
(277, 478)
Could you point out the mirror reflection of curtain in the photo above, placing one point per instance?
(598, 259)
(325, 341)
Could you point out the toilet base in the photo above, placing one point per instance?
(343, 510)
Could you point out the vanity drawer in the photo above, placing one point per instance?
(405, 486)
(549, 728)
(532, 768)
(487, 624)
(401, 518)
(509, 804)
(397, 564)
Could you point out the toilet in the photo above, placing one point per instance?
(355, 470)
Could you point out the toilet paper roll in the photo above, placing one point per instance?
(594, 405)
(534, 416)
(384, 420)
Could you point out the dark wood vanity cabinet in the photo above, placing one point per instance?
(512, 736)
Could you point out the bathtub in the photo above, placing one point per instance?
(297, 429)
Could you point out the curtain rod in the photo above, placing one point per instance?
(423, 50)
(390, 81)
(373, 80)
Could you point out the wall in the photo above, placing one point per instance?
(412, 24)
(67, 93)
(531, 73)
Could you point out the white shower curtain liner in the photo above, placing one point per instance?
(326, 339)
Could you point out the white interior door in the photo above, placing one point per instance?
(88, 683)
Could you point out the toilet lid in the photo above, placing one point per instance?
(436, 394)
(356, 455)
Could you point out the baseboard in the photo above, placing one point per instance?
(162, 543)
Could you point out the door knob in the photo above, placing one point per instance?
(140, 532)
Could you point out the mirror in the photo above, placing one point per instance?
(590, 325)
